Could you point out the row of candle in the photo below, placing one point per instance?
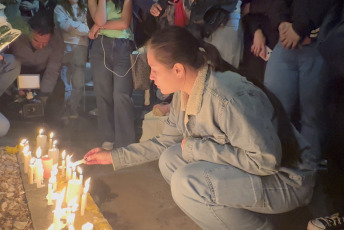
(39, 168)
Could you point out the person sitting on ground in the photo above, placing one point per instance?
(227, 149)
(41, 52)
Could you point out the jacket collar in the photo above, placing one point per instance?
(191, 104)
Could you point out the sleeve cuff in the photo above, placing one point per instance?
(116, 161)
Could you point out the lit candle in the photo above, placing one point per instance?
(50, 192)
(84, 197)
(74, 190)
(27, 158)
(74, 172)
(81, 177)
(52, 179)
(21, 148)
(31, 170)
(58, 210)
(41, 140)
(87, 226)
(39, 168)
(51, 135)
(54, 152)
(68, 167)
(63, 163)
(47, 163)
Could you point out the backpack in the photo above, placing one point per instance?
(330, 40)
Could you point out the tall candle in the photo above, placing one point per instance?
(74, 190)
(41, 140)
(74, 173)
(50, 192)
(39, 168)
(51, 135)
(22, 144)
(47, 166)
(54, 153)
(58, 210)
(31, 170)
(84, 197)
(52, 179)
(63, 167)
(68, 167)
(81, 177)
(27, 158)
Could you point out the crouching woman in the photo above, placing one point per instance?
(227, 150)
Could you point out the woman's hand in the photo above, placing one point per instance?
(258, 46)
(93, 34)
(98, 156)
(26, 5)
(155, 9)
(288, 37)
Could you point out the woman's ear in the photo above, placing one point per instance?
(179, 70)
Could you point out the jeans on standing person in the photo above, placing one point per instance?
(74, 66)
(4, 125)
(298, 78)
(9, 71)
(113, 93)
(223, 197)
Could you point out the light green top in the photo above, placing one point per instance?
(114, 14)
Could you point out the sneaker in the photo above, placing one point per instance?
(334, 222)
(107, 145)
(93, 112)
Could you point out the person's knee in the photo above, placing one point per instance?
(4, 125)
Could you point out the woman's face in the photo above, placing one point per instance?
(166, 79)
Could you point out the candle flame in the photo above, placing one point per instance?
(32, 161)
(54, 143)
(63, 154)
(41, 131)
(22, 142)
(87, 185)
(39, 152)
(51, 135)
(87, 226)
(26, 149)
(79, 170)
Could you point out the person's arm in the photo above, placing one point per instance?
(139, 153)
(66, 23)
(249, 140)
(97, 9)
(52, 70)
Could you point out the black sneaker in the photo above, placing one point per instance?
(334, 222)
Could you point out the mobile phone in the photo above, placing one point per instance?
(268, 52)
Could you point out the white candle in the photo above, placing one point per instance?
(58, 210)
(51, 135)
(41, 140)
(84, 197)
(87, 226)
(68, 167)
(52, 179)
(81, 177)
(74, 173)
(39, 168)
(21, 148)
(31, 170)
(74, 190)
(27, 158)
(50, 192)
(54, 153)
(63, 163)
(70, 221)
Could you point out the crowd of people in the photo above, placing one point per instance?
(246, 128)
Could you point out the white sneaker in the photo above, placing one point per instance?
(334, 222)
(93, 112)
(107, 145)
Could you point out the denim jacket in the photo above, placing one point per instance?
(226, 120)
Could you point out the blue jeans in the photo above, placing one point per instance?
(73, 69)
(113, 93)
(9, 71)
(298, 78)
(220, 197)
(4, 125)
